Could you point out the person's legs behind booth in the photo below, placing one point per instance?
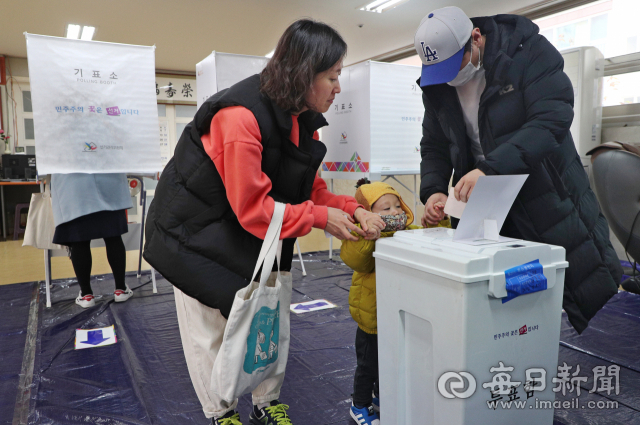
(117, 257)
(82, 261)
(80, 253)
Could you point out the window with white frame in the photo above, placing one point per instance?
(172, 121)
(20, 113)
(27, 117)
(609, 25)
(622, 89)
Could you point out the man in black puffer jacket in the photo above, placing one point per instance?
(497, 102)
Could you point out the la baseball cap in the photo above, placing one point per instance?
(439, 41)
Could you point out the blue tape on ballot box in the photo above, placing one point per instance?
(524, 279)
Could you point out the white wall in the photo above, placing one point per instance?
(630, 134)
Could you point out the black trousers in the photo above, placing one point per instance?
(366, 377)
(82, 262)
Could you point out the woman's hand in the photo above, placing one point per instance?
(340, 224)
(371, 223)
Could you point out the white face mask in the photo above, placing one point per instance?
(466, 74)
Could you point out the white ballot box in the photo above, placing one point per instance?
(466, 336)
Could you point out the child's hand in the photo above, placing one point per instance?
(371, 223)
(372, 236)
(434, 209)
(439, 208)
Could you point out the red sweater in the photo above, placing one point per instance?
(235, 146)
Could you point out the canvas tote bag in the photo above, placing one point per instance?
(255, 345)
(40, 225)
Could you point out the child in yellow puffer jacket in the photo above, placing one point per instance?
(380, 198)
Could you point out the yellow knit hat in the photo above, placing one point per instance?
(368, 193)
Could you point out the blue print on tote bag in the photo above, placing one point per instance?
(262, 343)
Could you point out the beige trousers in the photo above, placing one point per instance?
(201, 331)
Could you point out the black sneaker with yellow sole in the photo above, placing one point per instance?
(230, 418)
(276, 414)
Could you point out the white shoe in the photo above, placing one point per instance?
(121, 296)
(86, 301)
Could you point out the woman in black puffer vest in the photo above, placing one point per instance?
(248, 146)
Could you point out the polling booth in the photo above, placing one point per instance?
(219, 71)
(94, 110)
(94, 106)
(375, 124)
(469, 330)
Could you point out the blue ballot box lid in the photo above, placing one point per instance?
(433, 251)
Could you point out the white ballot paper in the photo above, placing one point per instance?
(453, 207)
(487, 209)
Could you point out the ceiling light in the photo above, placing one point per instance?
(87, 33)
(380, 6)
(73, 31)
(270, 54)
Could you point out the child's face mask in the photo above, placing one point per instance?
(394, 222)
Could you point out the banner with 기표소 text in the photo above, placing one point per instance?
(94, 106)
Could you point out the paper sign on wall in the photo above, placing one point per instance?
(174, 89)
(94, 106)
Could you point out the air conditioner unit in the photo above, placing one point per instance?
(585, 68)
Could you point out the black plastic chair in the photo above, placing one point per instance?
(616, 175)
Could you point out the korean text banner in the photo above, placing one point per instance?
(94, 106)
